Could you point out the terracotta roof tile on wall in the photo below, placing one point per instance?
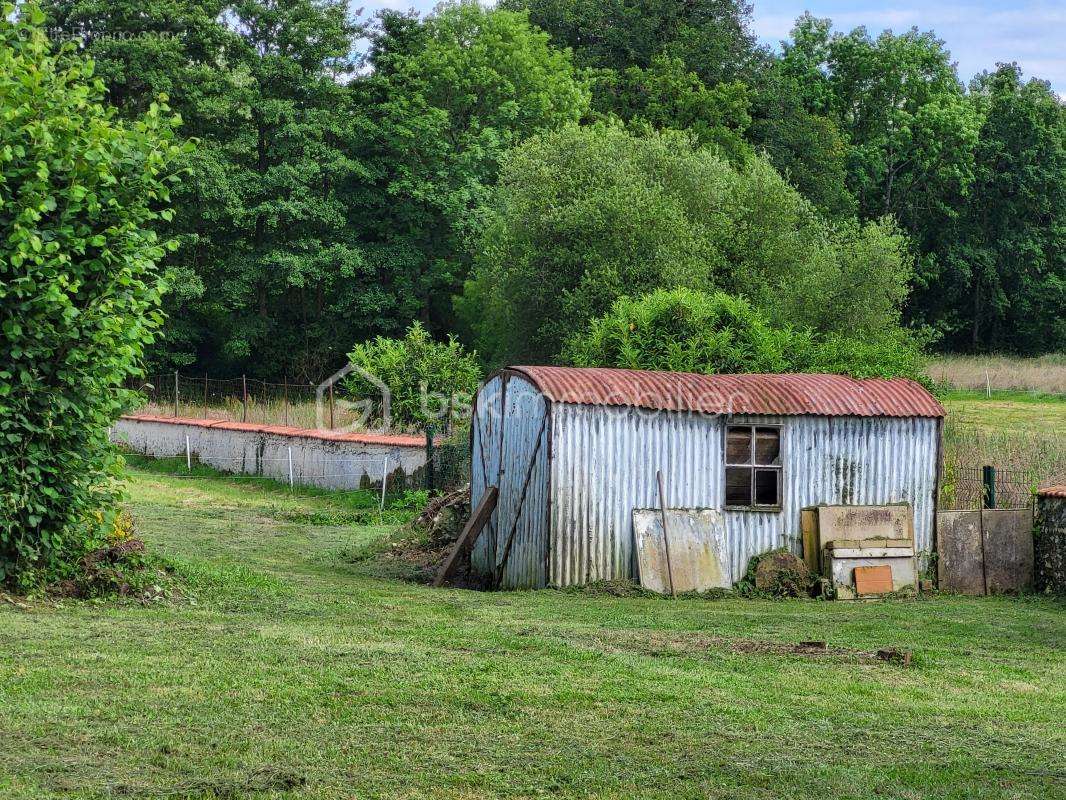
(388, 439)
(789, 394)
(1053, 491)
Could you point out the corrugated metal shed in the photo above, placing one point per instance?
(822, 395)
(575, 451)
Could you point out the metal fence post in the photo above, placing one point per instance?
(291, 482)
(188, 454)
(384, 480)
(175, 393)
(286, 400)
(988, 478)
(244, 395)
(331, 405)
(206, 415)
(429, 458)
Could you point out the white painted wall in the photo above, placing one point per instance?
(315, 462)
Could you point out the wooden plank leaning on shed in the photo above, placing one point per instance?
(469, 534)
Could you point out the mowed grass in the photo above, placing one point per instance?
(300, 675)
(1009, 412)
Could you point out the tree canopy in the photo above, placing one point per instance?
(683, 330)
(584, 215)
(351, 173)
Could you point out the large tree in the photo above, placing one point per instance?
(583, 216)
(270, 256)
(1005, 265)
(694, 66)
(80, 191)
(447, 96)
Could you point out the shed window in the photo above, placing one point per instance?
(753, 466)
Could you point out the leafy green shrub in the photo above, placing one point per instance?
(683, 330)
(426, 379)
(79, 293)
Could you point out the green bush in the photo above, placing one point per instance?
(426, 379)
(683, 330)
(79, 293)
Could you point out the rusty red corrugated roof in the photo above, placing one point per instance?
(787, 394)
(1053, 491)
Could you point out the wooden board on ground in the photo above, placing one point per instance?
(873, 580)
(812, 555)
(697, 550)
(469, 534)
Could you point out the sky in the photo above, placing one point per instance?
(979, 33)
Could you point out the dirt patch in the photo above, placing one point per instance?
(685, 644)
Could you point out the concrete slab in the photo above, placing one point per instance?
(697, 550)
(863, 523)
(960, 552)
(1008, 550)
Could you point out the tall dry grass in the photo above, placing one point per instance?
(1024, 461)
(1043, 374)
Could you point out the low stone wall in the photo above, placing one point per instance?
(318, 458)
(1050, 540)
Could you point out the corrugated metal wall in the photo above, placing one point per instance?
(605, 458)
(603, 466)
(523, 426)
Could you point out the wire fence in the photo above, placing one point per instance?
(987, 486)
(297, 405)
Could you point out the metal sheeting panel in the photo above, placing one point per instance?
(485, 466)
(522, 505)
(604, 462)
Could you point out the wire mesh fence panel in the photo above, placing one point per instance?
(966, 488)
(295, 405)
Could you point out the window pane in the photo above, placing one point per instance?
(767, 487)
(768, 446)
(738, 446)
(738, 486)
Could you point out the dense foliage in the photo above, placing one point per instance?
(337, 195)
(683, 330)
(976, 178)
(79, 291)
(429, 383)
(585, 215)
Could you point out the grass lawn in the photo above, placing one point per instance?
(298, 674)
(1010, 412)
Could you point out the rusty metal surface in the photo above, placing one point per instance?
(795, 394)
(697, 544)
(395, 439)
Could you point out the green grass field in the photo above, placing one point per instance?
(297, 674)
(1009, 412)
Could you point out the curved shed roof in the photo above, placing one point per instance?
(787, 394)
